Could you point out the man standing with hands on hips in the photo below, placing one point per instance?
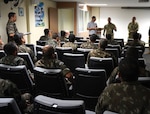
(133, 27)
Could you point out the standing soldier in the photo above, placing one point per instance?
(11, 27)
(132, 27)
(109, 28)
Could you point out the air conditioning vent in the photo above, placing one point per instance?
(143, 0)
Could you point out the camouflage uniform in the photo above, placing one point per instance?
(9, 89)
(99, 53)
(88, 45)
(52, 43)
(11, 28)
(24, 49)
(109, 29)
(52, 63)
(114, 75)
(44, 38)
(12, 60)
(70, 44)
(63, 39)
(132, 28)
(124, 98)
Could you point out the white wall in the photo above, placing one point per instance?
(121, 18)
(66, 19)
(21, 20)
(24, 23)
(38, 31)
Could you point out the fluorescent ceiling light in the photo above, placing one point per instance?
(96, 4)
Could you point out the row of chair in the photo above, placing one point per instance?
(88, 84)
(120, 41)
(47, 105)
(50, 82)
(73, 60)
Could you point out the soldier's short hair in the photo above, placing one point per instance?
(48, 51)
(46, 31)
(129, 69)
(93, 37)
(10, 48)
(132, 52)
(103, 43)
(136, 35)
(9, 89)
(71, 38)
(63, 33)
(11, 14)
(18, 38)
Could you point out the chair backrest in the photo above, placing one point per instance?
(50, 82)
(79, 39)
(9, 106)
(61, 50)
(41, 43)
(39, 55)
(102, 63)
(113, 51)
(18, 75)
(89, 84)
(109, 112)
(120, 41)
(2, 53)
(73, 61)
(78, 43)
(145, 81)
(116, 47)
(27, 58)
(140, 60)
(38, 48)
(84, 51)
(32, 47)
(139, 48)
(48, 105)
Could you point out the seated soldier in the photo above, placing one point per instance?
(46, 36)
(55, 41)
(22, 48)
(9, 90)
(71, 43)
(132, 54)
(90, 44)
(127, 97)
(49, 61)
(11, 58)
(136, 42)
(100, 52)
(63, 37)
